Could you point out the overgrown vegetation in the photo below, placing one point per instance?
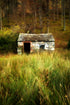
(69, 44)
(8, 43)
(35, 79)
(8, 36)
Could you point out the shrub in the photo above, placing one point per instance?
(69, 44)
(8, 43)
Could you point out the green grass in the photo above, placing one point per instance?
(35, 79)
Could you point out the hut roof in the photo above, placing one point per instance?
(36, 37)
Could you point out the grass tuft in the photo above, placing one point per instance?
(35, 79)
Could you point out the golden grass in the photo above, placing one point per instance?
(35, 79)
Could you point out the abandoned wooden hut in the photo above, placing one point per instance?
(35, 42)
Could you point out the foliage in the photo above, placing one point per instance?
(69, 44)
(35, 79)
(8, 43)
(8, 36)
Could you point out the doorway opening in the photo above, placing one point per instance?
(42, 47)
(27, 47)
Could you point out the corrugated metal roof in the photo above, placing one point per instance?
(35, 37)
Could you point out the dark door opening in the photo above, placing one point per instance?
(27, 47)
(41, 46)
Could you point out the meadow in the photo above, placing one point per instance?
(35, 79)
(41, 78)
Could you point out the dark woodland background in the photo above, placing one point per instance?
(16, 12)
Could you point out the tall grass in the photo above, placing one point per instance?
(35, 79)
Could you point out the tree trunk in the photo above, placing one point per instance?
(69, 10)
(8, 13)
(0, 19)
(40, 14)
(47, 16)
(63, 14)
(56, 9)
(35, 14)
(63, 8)
(24, 14)
(64, 26)
(53, 6)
